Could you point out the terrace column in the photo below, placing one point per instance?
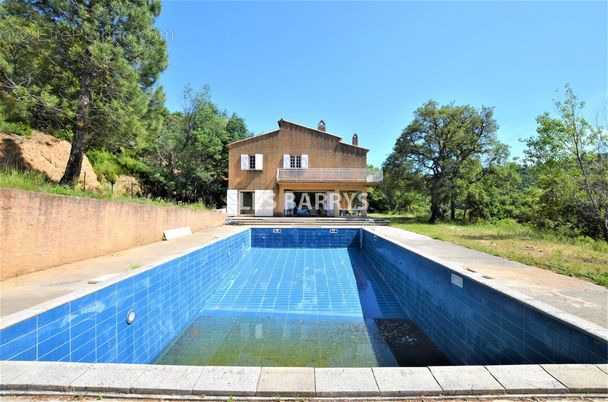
(279, 199)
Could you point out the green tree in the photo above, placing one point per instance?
(87, 66)
(440, 141)
(189, 157)
(496, 193)
(572, 160)
(400, 189)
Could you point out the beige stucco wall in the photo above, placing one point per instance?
(39, 231)
(323, 150)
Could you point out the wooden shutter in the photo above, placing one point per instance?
(259, 161)
(232, 202)
(286, 161)
(304, 161)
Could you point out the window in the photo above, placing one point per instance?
(252, 162)
(295, 161)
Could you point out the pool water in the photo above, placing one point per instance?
(303, 307)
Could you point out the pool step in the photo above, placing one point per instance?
(301, 221)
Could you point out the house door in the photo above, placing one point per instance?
(246, 202)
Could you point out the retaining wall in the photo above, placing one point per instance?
(39, 231)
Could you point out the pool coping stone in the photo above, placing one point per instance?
(406, 381)
(108, 377)
(355, 382)
(228, 381)
(282, 381)
(458, 380)
(301, 381)
(579, 376)
(526, 378)
(12, 370)
(45, 376)
(167, 379)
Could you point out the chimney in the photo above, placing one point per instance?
(321, 126)
(355, 139)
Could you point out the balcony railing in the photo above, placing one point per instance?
(330, 175)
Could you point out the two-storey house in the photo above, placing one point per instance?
(298, 171)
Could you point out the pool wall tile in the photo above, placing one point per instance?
(93, 328)
(472, 324)
(305, 238)
(476, 324)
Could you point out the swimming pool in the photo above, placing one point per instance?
(302, 297)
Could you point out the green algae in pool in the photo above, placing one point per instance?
(243, 340)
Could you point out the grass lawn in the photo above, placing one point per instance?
(37, 182)
(584, 258)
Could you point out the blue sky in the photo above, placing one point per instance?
(365, 67)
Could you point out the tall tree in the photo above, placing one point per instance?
(572, 156)
(89, 66)
(189, 157)
(439, 142)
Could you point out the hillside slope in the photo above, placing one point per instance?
(43, 153)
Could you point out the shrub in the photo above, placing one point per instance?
(105, 165)
(16, 128)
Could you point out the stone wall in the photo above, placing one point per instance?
(39, 231)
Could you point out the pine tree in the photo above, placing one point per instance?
(89, 67)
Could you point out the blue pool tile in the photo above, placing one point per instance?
(59, 353)
(83, 308)
(82, 345)
(19, 344)
(124, 289)
(53, 341)
(18, 330)
(83, 328)
(54, 315)
(106, 346)
(51, 329)
(24, 355)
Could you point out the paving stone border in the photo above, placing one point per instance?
(300, 382)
